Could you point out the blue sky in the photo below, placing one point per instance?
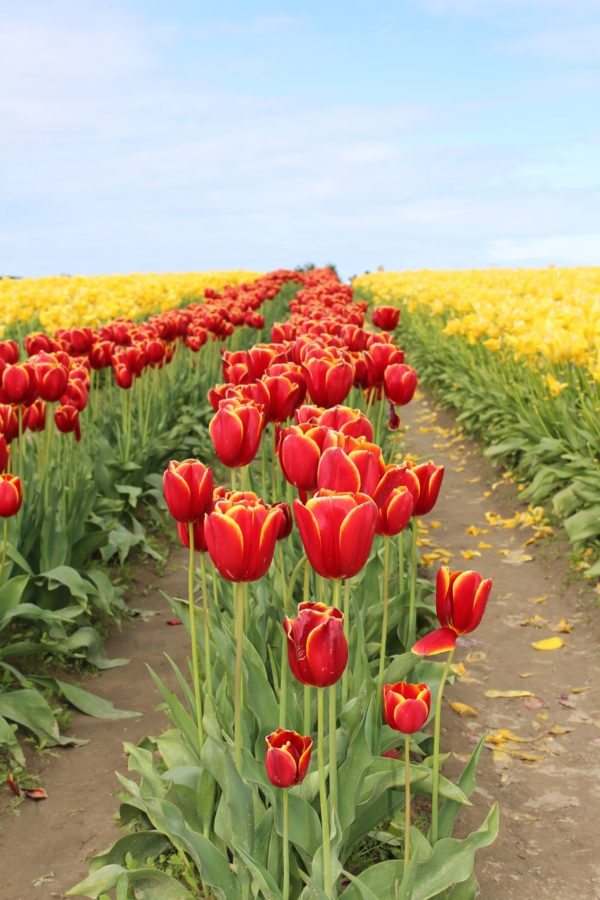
(162, 136)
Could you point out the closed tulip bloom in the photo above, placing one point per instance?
(406, 706)
(236, 430)
(288, 757)
(400, 383)
(3, 453)
(19, 383)
(188, 489)
(386, 317)
(241, 537)
(51, 379)
(183, 530)
(328, 378)
(348, 421)
(395, 502)
(11, 495)
(317, 646)
(66, 419)
(9, 352)
(430, 481)
(357, 467)
(300, 448)
(285, 394)
(379, 357)
(255, 392)
(460, 601)
(337, 531)
(9, 422)
(34, 417)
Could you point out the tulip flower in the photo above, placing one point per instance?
(386, 317)
(66, 419)
(406, 706)
(9, 422)
(3, 453)
(400, 383)
(11, 495)
(357, 467)
(337, 531)
(460, 601)
(288, 757)
(183, 530)
(328, 378)
(241, 537)
(51, 378)
(188, 489)
(285, 391)
(430, 481)
(18, 383)
(236, 430)
(300, 448)
(395, 502)
(35, 416)
(9, 353)
(317, 645)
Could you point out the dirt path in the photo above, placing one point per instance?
(548, 787)
(45, 846)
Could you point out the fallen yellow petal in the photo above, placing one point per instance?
(541, 599)
(552, 643)
(559, 729)
(508, 694)
(469, 554)
(537, 620)
(435, 524)
(563, 626)
(483, 546)
(463, 709)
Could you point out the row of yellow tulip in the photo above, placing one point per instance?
(550, 314)
(62, 301)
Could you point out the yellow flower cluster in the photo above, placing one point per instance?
(64, 301)
(549, 313)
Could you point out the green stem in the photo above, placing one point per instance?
(385, 591)
(412, 611)
(406, 801)
(327, 886)
(286, 848)
(207, 661)
(192, 611)
(380, 419)
(401, 564)
(435, 792)
(4, 547)
(239, 648)
(333, 783)
(284, 658)
(345, 676)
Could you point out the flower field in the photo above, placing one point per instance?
(308, 727)
(517, 354)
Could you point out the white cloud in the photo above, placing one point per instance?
(558, 249)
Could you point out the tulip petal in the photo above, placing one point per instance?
(281, 767)
(225, 545)
(356, 537)
(439, 641)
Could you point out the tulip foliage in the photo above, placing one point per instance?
(312, 638)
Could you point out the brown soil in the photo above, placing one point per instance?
(548, 846)
(45, 846)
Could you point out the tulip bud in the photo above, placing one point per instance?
(66, 419)
(241, 536)
(19, 383)
(430, 481)
(11, 495)
(406, 706)
(236, 430)
(317, 646)
(400, 383)
(328, 378)
(188, 489)
(288, 757)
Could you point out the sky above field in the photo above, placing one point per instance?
(162, 136)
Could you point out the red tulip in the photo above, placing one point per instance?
(183, 531)
(356, 467)
(395, 502)
(9, 353)
(386, 317)
(285, 394)
(460, 601)
(300, 448)
(379, 356)
(51, 378)
(188, 489)
(34, 417)
(100, 354)
(236, 430)
(337, 531)
(9, 422)
(123, 375)
(288, 757)
(19, 383)
(11, 495)
(328, 378)
(241, 537)
(66, 419)
(430, 481)
(400, 383)
(317, 646)
(3, 453)
(406, 706)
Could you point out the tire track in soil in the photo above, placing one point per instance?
(55, 838)
(548, 845)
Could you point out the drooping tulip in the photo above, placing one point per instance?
(317, 645)
(188, 489)
(288, 757)
(337, 531)
(406, 706)
(460, 601)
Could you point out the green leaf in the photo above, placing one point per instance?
(467, 784)
(11, 593)
(264, 879)
(88, 640)
(9, 742)
(28, 708)
(234, 821)
(69, 578)
(98, 882)
(142, 845)
(91, 704)
(151, 884)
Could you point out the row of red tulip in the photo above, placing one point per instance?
(347, 494)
